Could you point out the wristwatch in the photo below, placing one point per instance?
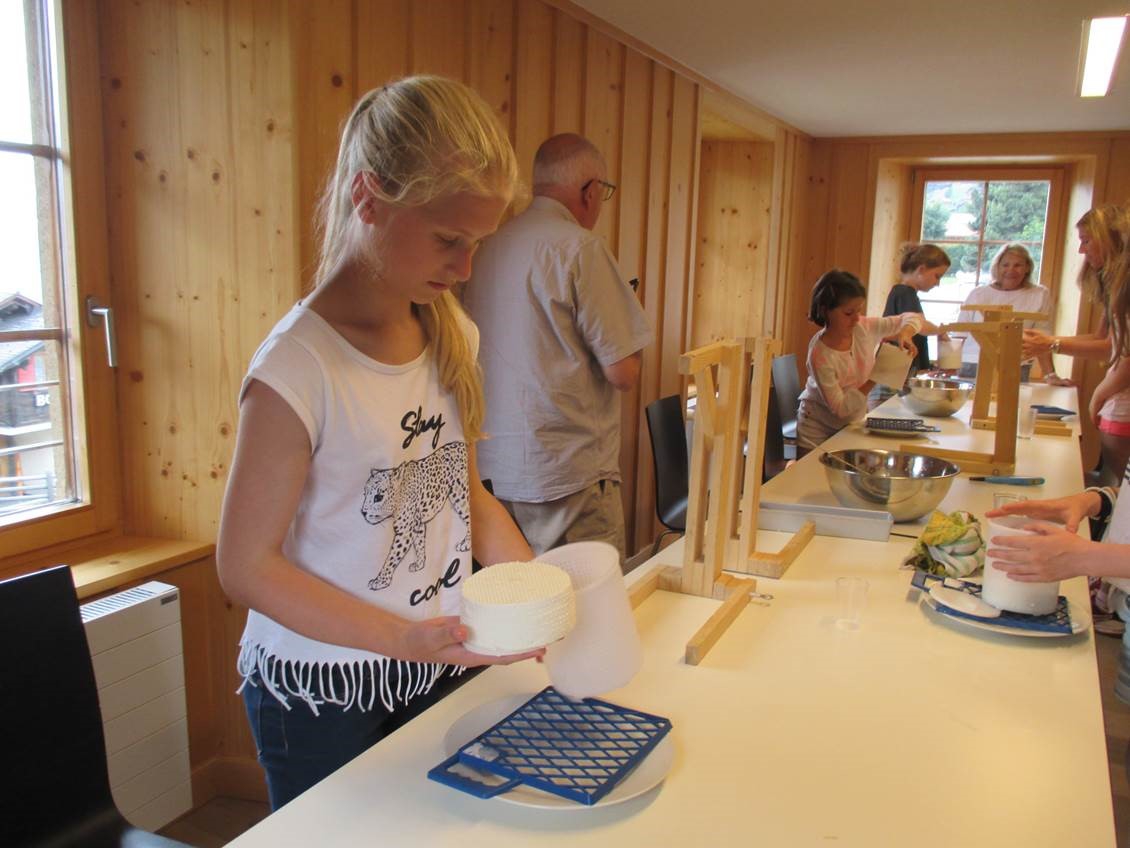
(1055, 345)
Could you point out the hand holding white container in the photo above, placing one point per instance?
(1000, 590)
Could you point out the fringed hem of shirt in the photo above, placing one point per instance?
(358, 683)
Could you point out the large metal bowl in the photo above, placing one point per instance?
(937, 398)
(907, 485)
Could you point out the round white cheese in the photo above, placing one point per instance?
(513, 607)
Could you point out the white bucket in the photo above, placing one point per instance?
(603, 650)
(1004, 593)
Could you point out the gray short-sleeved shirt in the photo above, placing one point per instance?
(552, 309)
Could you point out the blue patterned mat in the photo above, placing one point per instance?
(1058, 621)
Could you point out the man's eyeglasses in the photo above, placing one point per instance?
(609, 188)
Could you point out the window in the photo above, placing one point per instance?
(55, 410)
(971, 213)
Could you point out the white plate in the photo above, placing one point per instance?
(645, 776)
(1080, 621)
(963, 601)
(1053, 416)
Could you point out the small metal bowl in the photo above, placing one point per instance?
(907, 485)
(937, 398)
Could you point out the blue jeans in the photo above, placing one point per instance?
(297, 748)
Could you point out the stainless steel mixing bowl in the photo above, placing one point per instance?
(937, 398)
(907, 485)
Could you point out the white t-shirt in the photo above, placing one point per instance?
(384, 514)
(1024, 299)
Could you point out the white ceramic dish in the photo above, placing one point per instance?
(1080, 621)
(647, 775)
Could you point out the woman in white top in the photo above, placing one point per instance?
(1012, 285)
(347, 523)
(842, 355)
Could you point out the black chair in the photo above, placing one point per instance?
(786, 385)
(58, 791)
(774, 460)
(669, 450)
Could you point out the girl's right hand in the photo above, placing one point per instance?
(440, 640)
(1069, 511)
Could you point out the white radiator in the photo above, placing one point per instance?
(135, 643)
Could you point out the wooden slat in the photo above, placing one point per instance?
(380, 46)
(438, 37)
(716, 625)
(568, 74)
(533, 83)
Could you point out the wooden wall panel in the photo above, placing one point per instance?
(569, 72)
(222, 127)
(373, 36)
(732, 248)
(324, 73)
(533, 83)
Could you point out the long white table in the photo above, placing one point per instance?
(913, 730)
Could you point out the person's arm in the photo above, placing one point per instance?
(902, 328)
(269, 470)
(495, 537)
(624, 374)
(1087, 346)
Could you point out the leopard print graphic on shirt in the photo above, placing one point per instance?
(412, 494)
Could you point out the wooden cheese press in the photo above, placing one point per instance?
(724, 488)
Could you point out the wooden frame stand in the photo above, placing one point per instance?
(727, 399)
(999, 337)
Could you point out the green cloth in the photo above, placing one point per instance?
(951, 545)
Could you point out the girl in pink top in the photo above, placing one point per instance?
(842, 355)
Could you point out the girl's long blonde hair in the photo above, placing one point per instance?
(423, 137)
(1109, 227)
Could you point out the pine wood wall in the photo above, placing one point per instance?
(222, 121)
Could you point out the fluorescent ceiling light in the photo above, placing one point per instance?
(1101, 37)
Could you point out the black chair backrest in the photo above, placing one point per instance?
(786, 385)
(774, 459)
(54, 753)
(669, 449)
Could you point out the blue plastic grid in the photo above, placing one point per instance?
(1058, 621)
(576, 749)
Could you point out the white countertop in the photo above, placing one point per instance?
(913, 730)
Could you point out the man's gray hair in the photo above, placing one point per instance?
(567, 161)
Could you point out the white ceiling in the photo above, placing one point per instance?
(889, 67)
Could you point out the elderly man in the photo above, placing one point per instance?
(561, 334)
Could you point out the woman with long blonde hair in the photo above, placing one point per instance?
(347, 523)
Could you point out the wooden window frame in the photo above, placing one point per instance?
(1053, 226)
(84, 265)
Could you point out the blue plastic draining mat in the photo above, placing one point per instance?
(1058, 621)
(576, 749)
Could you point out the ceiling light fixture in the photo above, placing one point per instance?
(1101, 39)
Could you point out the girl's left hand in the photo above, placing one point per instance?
(1050, 554)
(906, 340)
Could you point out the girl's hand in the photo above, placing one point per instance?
(906, 340)
(1069, 511)
(440, 640)
(1056, 380)
(1034, 343)
(1050, 554)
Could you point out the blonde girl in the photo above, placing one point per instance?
(347, 523)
